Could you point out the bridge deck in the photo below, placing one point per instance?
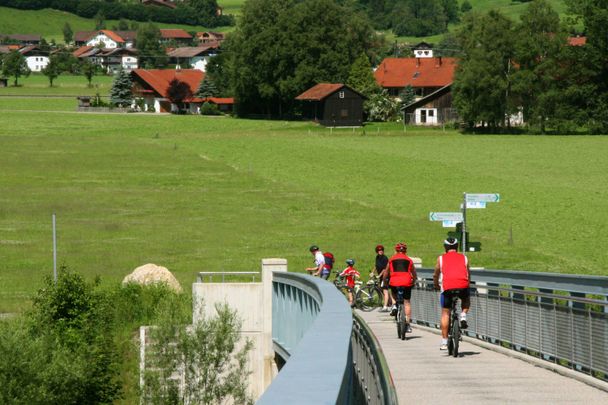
(424, 375)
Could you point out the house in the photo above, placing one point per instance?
(224, 104)
(110, 59)
(36, 58)
(333, 104)
(210, 37)
(193, 57)
(152, 86)
(178, 36)
(106, 38)
(159, 3)
(577, 41)
(433, 109)
(22, 39)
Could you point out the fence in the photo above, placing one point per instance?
(559, 318)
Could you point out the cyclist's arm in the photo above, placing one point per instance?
(436, 275)
(414, 274)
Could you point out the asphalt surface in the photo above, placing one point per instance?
(423, 374)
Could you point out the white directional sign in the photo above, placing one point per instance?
(445, 216)
(483, 197)
(450, 224)
(476, 204)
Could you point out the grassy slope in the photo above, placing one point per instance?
(28, 22)
(198, 194)
(65, 85)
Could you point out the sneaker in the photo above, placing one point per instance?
(394, 310)
(464, 324)
(443, 347)
(384, 309)
(408, 328)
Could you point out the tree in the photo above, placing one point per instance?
(382, 107)
(419, 18)
(151, 52)
(68, 34)
(205, 356)
(465, 6)
(407, 95)
(483, 77)
(283, 47)
(52, 70)
(361, 76)
(100, 20)
(207, 88)
(14, 64)
(89, 70)
(121, 91)
(177, 92)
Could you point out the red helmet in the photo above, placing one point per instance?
(400, 247)
(379, 247)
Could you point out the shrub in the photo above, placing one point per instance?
(210, 109)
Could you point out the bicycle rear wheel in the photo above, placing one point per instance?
(364, 300)
(376, 297)
(401, 324)
(455, 336)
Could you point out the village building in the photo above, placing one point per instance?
(177, 36)
(333, 105)
(21, 39)
(159, 3)
(209, 37)
(106, 39)
(110, 60)
(193, 57)
(36, 58)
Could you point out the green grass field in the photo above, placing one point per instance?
(36, 84)
(204, 194)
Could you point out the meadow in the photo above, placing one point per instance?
(206, 194)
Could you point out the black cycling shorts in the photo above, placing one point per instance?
(407, 292)
(384, 284)
(447, 296)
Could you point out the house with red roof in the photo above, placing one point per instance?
(333, 105)
(106, 38)
(178, 36)
(152, 85)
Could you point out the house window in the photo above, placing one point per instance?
(341, 94)
(431, 113)
(344, 113)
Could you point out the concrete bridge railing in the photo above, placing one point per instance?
(557, 317)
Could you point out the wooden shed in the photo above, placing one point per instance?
(333, 105)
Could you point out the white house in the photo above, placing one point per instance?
(107, 39)
(36, 58)
(115, 59)
(193, 57)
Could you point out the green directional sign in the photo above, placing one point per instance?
(445, 216)
(482, 198)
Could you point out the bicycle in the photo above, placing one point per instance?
(400, 317)
(361, 297)
(371, 296)
(454, 331)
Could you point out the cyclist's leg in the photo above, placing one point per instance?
(466, 305)
(446, 303)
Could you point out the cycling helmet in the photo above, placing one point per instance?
(350, 262)
(451, 243)
(401, 247)
(379, 247)
(314, 248)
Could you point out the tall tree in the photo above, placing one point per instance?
(14, 64)
(361, 76)
(207, 88)
(177, 92)
(68, 34)
(52, 70)
(89, 70)
(151, 52)
(121, 91)
(483, 77)
(283, 47)
(100, 20)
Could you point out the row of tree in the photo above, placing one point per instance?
(191, 12)
(529, 69)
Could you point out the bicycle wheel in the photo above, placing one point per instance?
(377, 296)
(401, 322)
(455, 336)
(364, 300)
(373, 298)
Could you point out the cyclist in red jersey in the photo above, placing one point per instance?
(350, 274)
(453, 268)
(402, 275)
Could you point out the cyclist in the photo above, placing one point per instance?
(402, 274)
(453, 267)
(382, 271)
(320, 269)
(350, 274)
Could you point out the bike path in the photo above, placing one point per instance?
(425, 375)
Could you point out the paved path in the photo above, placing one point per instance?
(424, 375)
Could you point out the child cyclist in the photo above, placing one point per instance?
(350, 274)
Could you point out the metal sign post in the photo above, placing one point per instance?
(463, 241)
(54, 251)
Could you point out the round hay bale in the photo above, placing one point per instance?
(152, 274)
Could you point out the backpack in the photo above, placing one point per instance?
(329, 260)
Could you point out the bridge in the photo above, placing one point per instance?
(532, 338)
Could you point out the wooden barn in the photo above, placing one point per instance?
(333, 105)
(434, 109)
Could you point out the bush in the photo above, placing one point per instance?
(210, 109)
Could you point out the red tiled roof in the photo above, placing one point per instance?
(159, 79)
(84, 36)
(113, 36)
(214, 100)
(82, 50)
(577, 41)
(174, 34)
(416, 72)
(189, 51)
(320, 91)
